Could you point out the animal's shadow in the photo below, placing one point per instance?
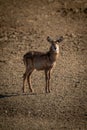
(6, 95)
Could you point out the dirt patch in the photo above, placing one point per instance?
(24, 26)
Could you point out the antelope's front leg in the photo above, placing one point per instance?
(48, 81)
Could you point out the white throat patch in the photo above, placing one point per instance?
(55, 49)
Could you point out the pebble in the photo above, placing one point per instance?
(50, 1)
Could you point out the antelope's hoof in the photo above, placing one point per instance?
(31, 91)
(47, 91)
(23, 91)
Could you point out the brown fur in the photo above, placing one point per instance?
(40, 61)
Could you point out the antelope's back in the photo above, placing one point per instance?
(36, 60)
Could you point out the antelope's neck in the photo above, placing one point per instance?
(53, 56)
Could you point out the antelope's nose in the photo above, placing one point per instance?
(55, 48)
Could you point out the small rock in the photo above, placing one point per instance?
(72, 35)
(50, 1)
(6, 111)
(6, 38)
(85, 10)
(76, 10)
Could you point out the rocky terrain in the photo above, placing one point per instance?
(24, 26)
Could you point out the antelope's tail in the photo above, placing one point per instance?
(24, 60)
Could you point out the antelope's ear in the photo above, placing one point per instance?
(49, 39)
(60, 39)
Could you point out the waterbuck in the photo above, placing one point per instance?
(41, 61)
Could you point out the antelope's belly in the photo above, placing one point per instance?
(42, 64)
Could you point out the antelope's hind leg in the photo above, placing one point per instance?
(24, 78)
(29, 81)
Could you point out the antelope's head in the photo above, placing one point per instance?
(55, 44)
